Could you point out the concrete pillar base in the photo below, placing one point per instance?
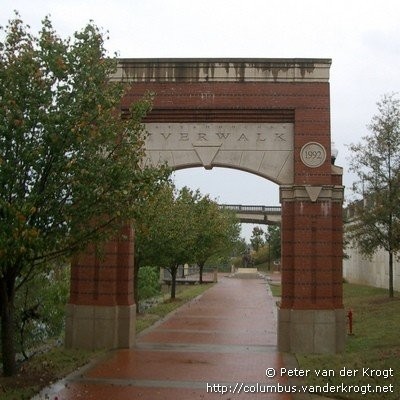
(311, 331)
(100, 327)
(247, 270)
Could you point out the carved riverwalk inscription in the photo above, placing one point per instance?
(265, 149)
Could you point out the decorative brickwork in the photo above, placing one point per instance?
(292, 93)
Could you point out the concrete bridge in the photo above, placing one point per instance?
(269, 215)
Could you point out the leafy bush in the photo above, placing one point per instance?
(261, 256)
(40, 308)
(149, 282)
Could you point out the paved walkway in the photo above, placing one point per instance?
(222, 340)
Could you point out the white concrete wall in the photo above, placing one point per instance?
(374, 272)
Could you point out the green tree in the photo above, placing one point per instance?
(257, 238)
(273, 238)
(177, 245)
(164, 231)
(149, 216)
(239, 247)
(216, 231)
(376, 163)
(69, 164)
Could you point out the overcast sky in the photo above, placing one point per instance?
(362, 37)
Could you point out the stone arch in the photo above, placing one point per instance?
(270, 117)
(264, 149)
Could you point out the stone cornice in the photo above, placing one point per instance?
(313, 193)
(222, 70)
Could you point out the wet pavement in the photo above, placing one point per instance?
(222, 341)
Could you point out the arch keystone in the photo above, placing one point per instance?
(206, 153)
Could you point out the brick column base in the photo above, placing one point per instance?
(96, 327)
(101, 312)
(311, 331)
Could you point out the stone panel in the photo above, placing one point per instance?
(100, 327)
(311, 331)
(265, 149)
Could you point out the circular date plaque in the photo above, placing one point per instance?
(313, 154)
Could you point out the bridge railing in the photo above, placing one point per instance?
(276, 210)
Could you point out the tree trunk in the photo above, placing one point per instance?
(201, 266)
(173, 272)
(7, 329)
(391, 291)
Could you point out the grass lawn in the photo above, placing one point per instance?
(276, 289)
(184, 294)
(44, 369)
(374, 345)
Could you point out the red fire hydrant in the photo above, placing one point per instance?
(350, 317)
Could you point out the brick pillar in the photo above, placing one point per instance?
(101, 312)
(311, 316)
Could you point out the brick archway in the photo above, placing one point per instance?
(270, 117)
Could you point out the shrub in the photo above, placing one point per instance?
(40, 309)
(149, 282)
(261, 256)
